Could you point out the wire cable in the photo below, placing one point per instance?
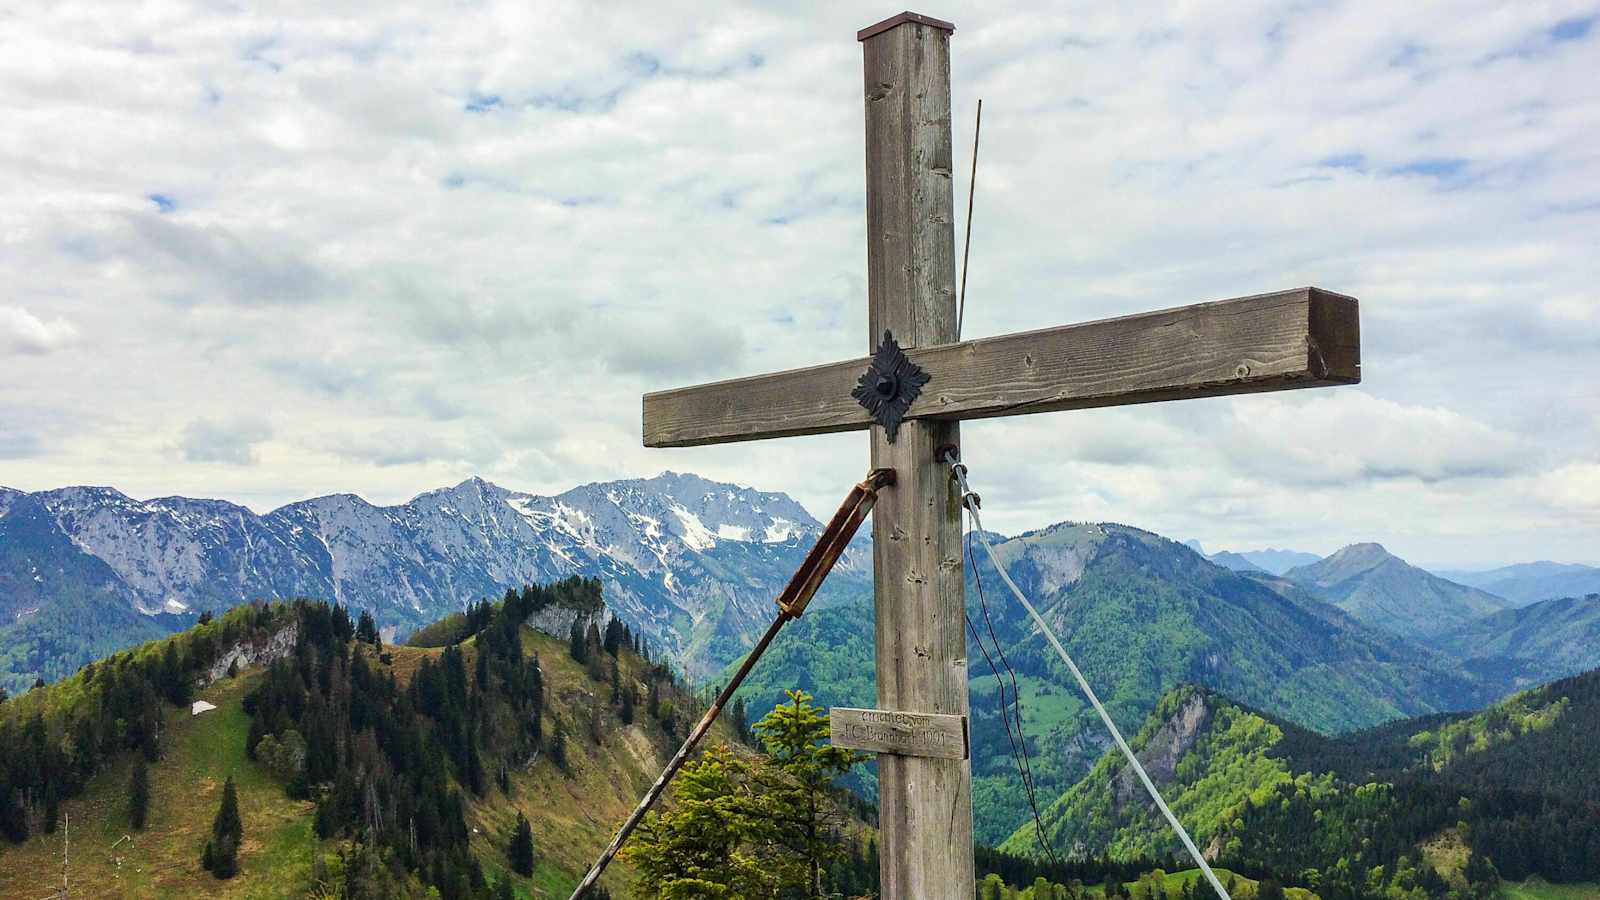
(971, 502)
(1023, 760)
(1024, 769)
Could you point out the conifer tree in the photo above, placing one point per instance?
(367, 630)
(703, 846)
(741, 720)
(577, 648)
(558, 746)
(139, 794)
(174, 680)
(221, 854)
(796, 736)
(521, 850)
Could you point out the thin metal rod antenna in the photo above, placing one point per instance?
(972, 189)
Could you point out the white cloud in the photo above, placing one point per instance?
(1575, 486)
(24, 332)
(234, 442)
(464, 241)
(1347, 437)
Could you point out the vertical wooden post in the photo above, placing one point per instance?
(925, 804)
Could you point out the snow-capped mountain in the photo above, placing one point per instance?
(693, 563)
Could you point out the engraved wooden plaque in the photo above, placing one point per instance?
(900, 733)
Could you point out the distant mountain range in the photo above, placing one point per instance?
(1272, 561)
(692, 564)
(1384, 590)
(1238, 562)
(1526, 583)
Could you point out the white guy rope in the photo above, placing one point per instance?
(971, 502)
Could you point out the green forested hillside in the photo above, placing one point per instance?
(1531, 644)
(1208, 755)
(360, 770)
(1510, 792)
(1140, 614)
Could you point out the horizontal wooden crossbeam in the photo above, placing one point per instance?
(1301, 338)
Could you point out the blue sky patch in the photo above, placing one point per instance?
(1433, 168)
(644, 64)
(1408, 54)
(1355, 162)
(482, 103)
(1574, 29)
(164, 202)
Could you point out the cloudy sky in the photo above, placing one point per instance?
(265, 256)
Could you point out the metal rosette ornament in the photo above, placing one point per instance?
(889, 386)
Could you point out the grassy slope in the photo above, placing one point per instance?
(1538, 889)
(572, 814)
(186, 789)
(1245, 888)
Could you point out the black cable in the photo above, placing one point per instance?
(1005, 718)
(1023, 761)
(1016, 692)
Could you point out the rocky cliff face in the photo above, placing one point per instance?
(1161, 753)
(276, 646)
(557, 621)
(692, 564)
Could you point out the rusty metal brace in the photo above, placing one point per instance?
(792, 603)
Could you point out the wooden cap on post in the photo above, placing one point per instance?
(902, 19)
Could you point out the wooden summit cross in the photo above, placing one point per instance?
(1293, 339)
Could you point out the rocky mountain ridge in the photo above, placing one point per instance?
(692, 563)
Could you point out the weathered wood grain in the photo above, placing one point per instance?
(1269, 342)
(898, 732)
(924, 803)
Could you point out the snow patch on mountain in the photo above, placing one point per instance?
(694, 533)
(691, 563)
